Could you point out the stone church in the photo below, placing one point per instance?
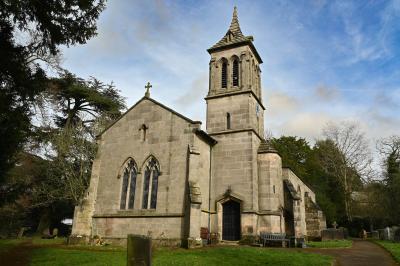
(157, 173)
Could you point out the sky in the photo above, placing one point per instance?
(324, 61)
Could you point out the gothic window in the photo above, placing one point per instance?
(228, 121)
(128, 185)
(224, 75)
(150, 184)
(235, 73)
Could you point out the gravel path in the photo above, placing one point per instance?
(362, 253)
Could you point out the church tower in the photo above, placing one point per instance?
(235, 118)
(235, 77)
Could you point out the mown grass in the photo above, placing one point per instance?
(54, 252)
(6, 244)
(67, 256)
(392, 247)
(330, 244)
(238, 256)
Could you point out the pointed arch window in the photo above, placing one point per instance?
(224, 80)
(235, 73)
(150, 184)
(128, 185)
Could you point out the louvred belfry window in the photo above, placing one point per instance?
(128, 185)
(150, 185)
(235, 73)
(224, 75)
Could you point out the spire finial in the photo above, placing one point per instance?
(147, 87)
(234, 27)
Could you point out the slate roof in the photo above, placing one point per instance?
(234, 37)
(266, 147)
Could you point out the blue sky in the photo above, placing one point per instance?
(324, 61)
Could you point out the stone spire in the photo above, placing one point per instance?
(234, 34)
(234, 28)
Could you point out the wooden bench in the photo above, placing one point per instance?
(274, 237)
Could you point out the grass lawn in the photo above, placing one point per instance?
(6, 244)
(392, 247)
(330, 244)
(54, 252)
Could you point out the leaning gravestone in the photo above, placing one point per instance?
(139, 250)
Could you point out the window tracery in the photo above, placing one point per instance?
(150, 184)
(128, 185)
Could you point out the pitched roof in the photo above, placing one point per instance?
(154, 101)
(234, 37)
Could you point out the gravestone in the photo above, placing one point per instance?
(333, 234)
(381, 234)
(139, 250)
(397, 235)
(374, 234)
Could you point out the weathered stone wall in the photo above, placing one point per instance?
(167, 139)
(270, 183)
(315, 219)
(158, 227)
(82, 222)
(233, 168)
(299, 206)
(242, 110)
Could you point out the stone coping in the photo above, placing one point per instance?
(235, 131)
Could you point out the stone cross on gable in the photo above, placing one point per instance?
(147, 87)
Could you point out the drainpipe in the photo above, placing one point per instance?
(209, 197)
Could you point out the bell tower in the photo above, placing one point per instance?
(235, 118)
(234, 100)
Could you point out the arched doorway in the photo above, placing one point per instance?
(231, 220)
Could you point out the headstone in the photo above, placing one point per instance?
(21, 232)
(381, 234)
(397, 235)
(334, 224)
(139, 250)
(374, 234)
(332, 234)
(388, 234)
(55, 232)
